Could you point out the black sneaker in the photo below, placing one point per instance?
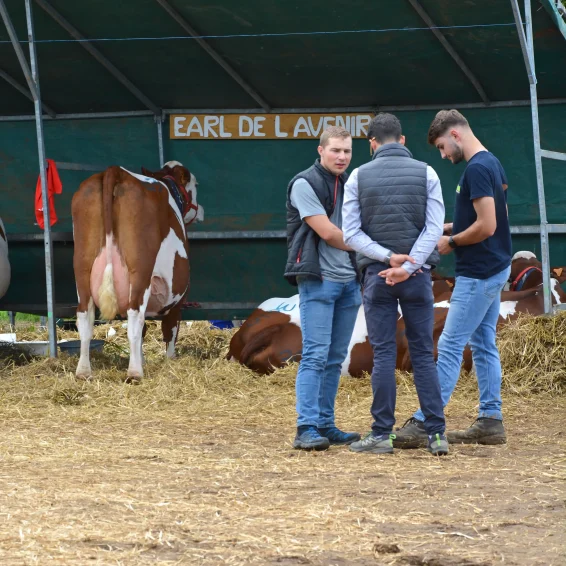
(411, 435)
(382, 444)
(338, 437)
(437, 444)
(310, 439)
(483, 431)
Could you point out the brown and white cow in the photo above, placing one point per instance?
(131, 254)
(271, 336)
(5, 270)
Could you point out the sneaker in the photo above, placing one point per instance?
(382, 444)
(308, 438)
(411, 435)
(483, 431)
(338, 437)
(437, 444)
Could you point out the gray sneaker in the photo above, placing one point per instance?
(411, 435)
(483, 431)
(382, 444)
(437, 444)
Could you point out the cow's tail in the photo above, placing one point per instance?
(107, 293)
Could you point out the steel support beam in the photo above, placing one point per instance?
(23, 90)
(535, 229)
(450, 50)
(85, 44)
(159, 121)
(527, 46)
(214, 54)
(368, 109)
(523, 41)
(553, 155)
(18, 49)
(48, 245)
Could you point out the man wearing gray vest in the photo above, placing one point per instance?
(393, 216)
(322, 266)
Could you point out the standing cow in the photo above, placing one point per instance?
(131, 253)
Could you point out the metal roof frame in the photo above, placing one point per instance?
(451, 51)
(214, 54)
(103, 60)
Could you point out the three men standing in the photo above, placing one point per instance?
(393, 215)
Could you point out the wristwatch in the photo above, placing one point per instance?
(387, 260)
(452, 243)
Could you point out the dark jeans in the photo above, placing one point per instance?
(380, 305)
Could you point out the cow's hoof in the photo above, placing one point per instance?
(83, 376)
(134, 378)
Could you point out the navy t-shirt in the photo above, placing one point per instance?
(484, 176)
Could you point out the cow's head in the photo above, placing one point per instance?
(185, 178)
(524, 259)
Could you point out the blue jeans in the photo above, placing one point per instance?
(328, 315)
(472, 318)
(380, 305)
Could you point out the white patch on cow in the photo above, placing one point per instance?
(290, 306)
(442, 305)
(553, 284)
(359, 336)
(164, 263)
(193, 215)
(524, 255)
(136, 321)
(172, 164)
(172, 202)
(171, 345)
(85, 325)
(507, 308)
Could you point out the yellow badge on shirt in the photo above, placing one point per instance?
(458, 189)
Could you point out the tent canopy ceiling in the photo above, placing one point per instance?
(296, 68)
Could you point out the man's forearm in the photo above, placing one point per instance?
(477, 232)
(336, 240)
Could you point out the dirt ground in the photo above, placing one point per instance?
(195, 466)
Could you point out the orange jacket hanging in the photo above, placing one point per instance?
(54, 187)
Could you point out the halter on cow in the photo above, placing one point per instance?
(131, 254)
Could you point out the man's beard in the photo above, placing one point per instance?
(457, 154)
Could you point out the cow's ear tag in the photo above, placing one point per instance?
(558, 271)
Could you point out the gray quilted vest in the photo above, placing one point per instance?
(392, 190)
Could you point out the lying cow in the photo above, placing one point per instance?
(271, 336)
(131, 253)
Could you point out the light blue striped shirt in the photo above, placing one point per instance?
(358, 240)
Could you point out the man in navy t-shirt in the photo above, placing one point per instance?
(481, 240)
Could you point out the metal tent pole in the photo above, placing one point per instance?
(49, 279)
(527, 47)
(159, 120)
(544, 244)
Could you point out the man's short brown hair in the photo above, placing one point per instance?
(334, 132)
(442, 122)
